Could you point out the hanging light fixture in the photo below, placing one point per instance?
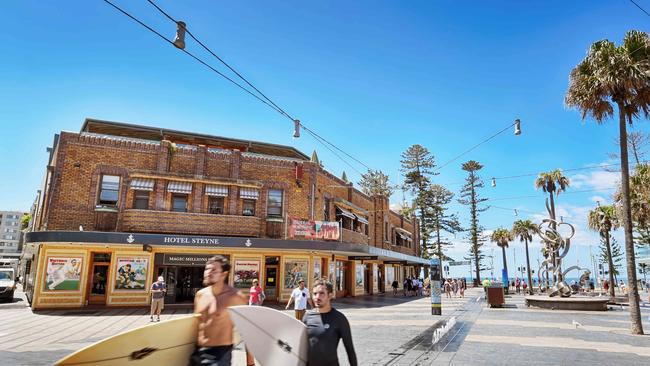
(517, 127)
(516, 213)
(494, 182)
(179, 40)
(296, 128)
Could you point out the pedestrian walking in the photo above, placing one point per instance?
(524, 285)
(461, 287)
(215, 330)
(326, 326)
(454, 286)
(517, 285)
(300, 297)
(256, 294)
(158, 290)
(448, 288)
(623, 288)
(606, 285)
(394, 285)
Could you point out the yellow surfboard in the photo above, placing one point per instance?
(169, 342)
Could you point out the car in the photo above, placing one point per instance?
(7, 283)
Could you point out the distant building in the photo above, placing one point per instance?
(10, 235)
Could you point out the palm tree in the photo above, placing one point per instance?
(617, 75)
(524, 230)
(502, 237)
(552, 182)
(603, 219)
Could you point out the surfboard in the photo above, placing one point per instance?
(170, 342)
(273, 337)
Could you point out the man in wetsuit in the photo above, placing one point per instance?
(325, 327)
(215, 338)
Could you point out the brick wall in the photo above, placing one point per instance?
(81, 160)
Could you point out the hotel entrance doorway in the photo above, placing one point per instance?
(183, 274)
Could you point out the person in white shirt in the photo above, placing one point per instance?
(300, 296)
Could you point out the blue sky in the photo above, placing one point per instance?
(371, 76)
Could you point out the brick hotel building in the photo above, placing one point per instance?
(122, 204)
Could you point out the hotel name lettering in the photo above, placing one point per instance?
(185, 240)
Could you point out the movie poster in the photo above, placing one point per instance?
(63, 273)
(245, 272)
(317, 271)
(359, 270)
(294, 271)
(131, 273)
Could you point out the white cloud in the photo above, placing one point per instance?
(601, 181)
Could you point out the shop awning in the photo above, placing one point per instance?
(403, 232)
(142, 184)
(179, 187)
(343, 212)
(249, 193)
(216, 190)
(361, 219)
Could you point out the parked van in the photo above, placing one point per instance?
(7, 283)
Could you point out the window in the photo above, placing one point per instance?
(10, 237)
(215, 205)
(274, 204)
(326, 210)
(109, 190)
(179, 202)
(248, 208)
(141, 200)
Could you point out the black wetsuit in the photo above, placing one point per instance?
(324, 331)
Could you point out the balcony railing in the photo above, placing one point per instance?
(190, 223)
(350, 236)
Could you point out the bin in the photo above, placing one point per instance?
(495, 297)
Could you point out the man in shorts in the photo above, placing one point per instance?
(215, 338)
(325, 327)
(300, 297)
(158, 290)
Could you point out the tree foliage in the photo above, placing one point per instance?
(617, 254)
(617, 75)
(437, 220)
(375, 182)
(470, 197)
(417, 164)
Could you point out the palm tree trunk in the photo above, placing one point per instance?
(530, 276)
(505, 267)
(635, 312)
(553, 251)
(610, 263)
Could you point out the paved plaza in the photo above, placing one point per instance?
(387, 330)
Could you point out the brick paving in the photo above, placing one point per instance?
(386, 330)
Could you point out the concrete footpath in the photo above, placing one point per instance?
(386, 330)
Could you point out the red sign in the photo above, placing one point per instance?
(309, 229)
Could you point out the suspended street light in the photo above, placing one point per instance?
(517, 127)
(494, 182)
(516, 213)
(296, 128)
(179, 40)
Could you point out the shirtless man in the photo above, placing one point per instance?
(215, 338)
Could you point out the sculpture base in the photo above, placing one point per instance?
(568, 303)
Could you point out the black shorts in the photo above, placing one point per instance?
(212, 356)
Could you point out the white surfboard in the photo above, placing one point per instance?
(273, 337)
(170, 342)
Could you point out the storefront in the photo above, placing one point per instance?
(77, 269)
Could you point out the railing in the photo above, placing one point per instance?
(350, 236)
(190, 223)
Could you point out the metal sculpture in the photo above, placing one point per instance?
(556, 248)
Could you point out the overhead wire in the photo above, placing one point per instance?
(261, 97)
(639, 6)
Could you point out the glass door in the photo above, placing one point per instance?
(271, 283)
(98, 280)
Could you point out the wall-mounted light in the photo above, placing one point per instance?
(81, 228)
(147, 248)
(517, 127)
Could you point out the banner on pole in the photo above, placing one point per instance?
(435, 276)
